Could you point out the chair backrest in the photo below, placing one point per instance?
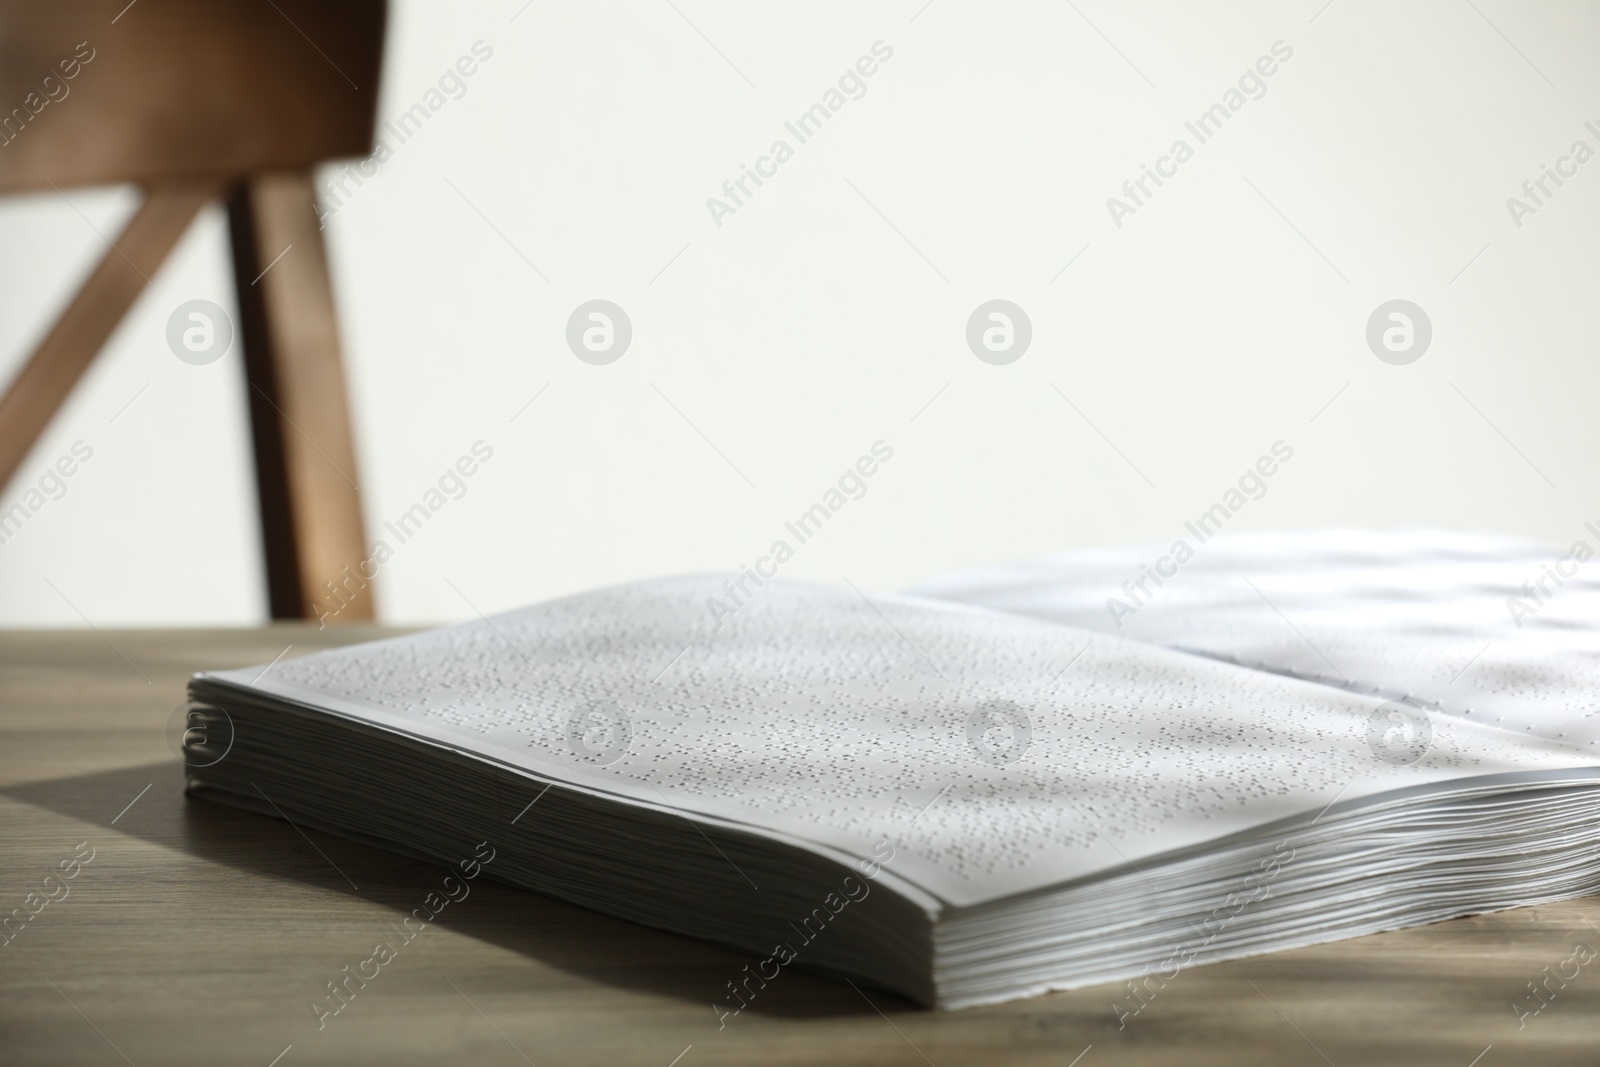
(94, 92)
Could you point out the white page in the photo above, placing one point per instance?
(1454, 621)
(837, 721)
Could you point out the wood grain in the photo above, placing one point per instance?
(199, 935)
(306, 475)
(102, 91)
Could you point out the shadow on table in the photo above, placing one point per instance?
(582, 942)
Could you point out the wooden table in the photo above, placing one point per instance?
(199, 934)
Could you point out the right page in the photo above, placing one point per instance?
(1489, 627)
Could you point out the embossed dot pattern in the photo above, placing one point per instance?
(837, 719)
(1483, 626)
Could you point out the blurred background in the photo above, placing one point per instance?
(775, 343)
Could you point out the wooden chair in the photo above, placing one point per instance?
(195, 100)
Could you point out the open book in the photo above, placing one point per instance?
(982, 792)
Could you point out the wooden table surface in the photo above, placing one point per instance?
(199, 934)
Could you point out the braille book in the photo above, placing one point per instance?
(963, 802)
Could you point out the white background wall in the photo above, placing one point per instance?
(1220, 318)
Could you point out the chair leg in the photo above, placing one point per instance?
(305, 457)
(47, 378)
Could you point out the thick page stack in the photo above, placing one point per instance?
(962, 805)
